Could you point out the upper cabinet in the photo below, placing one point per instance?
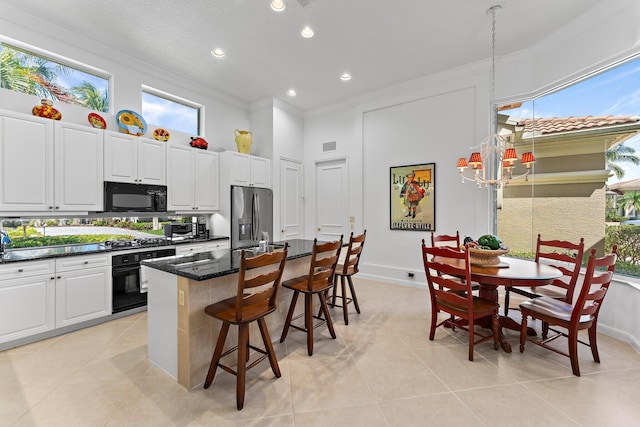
(49, 166)
(134, 159)
(246, 170)
(192, 179)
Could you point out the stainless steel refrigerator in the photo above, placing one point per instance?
(251, 215)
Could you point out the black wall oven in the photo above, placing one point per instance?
(129, 291)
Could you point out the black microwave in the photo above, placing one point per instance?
(126, 197)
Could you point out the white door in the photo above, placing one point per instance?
(120, 157)
(332, 180)
(180, 178)
(291, 200)
(207, 185)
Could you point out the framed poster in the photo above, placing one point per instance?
(412, 199)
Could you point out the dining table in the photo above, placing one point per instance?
(509, 272)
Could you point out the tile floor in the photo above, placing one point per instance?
(381, 371)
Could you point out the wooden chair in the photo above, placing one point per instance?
(344, 272)
(449, 279)
(446, 240)
(574, 317)
(566, 257)
(255, 298)
(324, 259)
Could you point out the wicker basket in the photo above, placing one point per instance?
(479, 256)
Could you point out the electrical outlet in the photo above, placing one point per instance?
(181, 297)
(410, 275)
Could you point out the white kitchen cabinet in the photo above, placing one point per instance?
(134, 159)
(216, 244)
(192, 179)
(27, 299)
(189, 249)
(83, 289)
(246, 170)
(26, 162)
(49, 166)
(78, 168)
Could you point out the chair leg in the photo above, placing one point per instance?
(323, 305)
(353, 295)
(523, 331)
(471, 339)
(506, 301)
(345, 309)
(495, 323)
(335, 288)
(308, 321)
(573, 352)
(264, 331)
(287, 322)
(216, 355)
(434, 322)
(593, 342)
(545, 330)
(243, 333)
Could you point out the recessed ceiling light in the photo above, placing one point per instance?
(307, 32)
(218, 53)
(345, 76)
(291, 92)
(278, 5)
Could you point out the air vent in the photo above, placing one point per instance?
(329, 146)
(304, 2)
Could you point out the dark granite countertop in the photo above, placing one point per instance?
(221, 262)
(33, 254)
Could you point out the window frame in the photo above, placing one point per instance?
(177, 100)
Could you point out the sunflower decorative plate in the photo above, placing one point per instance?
(131, 122)
(96, 121)
(161, 135)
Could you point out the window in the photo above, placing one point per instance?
(586, 180)
(170, 112)
(53, 78)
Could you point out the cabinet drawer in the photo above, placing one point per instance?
(218, 244)
(189, 249)
(16, 270)
(80, 262)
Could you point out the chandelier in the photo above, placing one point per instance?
(494, 162)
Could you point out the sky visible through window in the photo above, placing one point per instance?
(614, 92)
(173, 115)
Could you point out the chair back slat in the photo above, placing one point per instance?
(566, 257)
(324, 259)
(354, 251)
(262, 288)
(595, 285)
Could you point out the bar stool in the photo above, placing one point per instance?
(344, 272)
(324, 259)
(255, 298)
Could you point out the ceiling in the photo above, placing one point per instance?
(379, 43)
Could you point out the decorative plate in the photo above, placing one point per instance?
(96, 121)
(131, 122)
(161, 135)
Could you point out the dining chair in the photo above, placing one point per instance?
(345, 271)
(318, 281)
(446, 240)
(255, 298)
(561, 254)
(449, 279)
(574, 317)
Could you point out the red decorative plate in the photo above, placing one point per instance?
(161, 135)
(96, 121)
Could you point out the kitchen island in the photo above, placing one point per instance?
(181, 335)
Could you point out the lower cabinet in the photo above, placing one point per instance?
(83, 293)
(43, 295)
(194, 248)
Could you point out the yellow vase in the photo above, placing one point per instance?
(243, 141)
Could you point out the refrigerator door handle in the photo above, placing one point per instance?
(254, 217)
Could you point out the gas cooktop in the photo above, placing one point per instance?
(136, 243)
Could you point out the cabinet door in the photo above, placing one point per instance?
(26, 163)
(26, 306)
(239, 168)
(78, 168)
(152, 158)
(260, 172)
(120, 157)
(82, 295)
(207, 186)
(180, 178)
